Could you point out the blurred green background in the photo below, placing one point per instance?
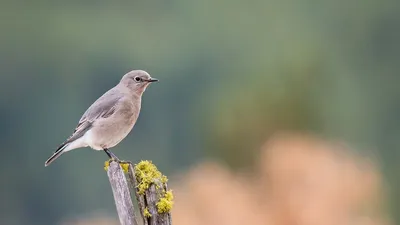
(232, 73)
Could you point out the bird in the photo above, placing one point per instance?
(110, 118)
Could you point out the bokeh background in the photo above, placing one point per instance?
(268, 111)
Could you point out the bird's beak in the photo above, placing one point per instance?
(152, 80)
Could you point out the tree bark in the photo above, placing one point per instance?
(147, 202)
(122, 196)
(152, 196)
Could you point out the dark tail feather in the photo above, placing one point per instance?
(56, 154)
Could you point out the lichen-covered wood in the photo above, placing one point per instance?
(140, 198)
(154, 199)
(122, 196)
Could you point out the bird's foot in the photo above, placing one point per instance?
(109, 161)
(124, 164)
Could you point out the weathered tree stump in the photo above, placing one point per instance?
(122, 195)
(151, 191)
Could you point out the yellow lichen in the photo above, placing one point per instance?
(164, 205)
(125, 166)
(106, 165)
(146, 213)
(146, 174)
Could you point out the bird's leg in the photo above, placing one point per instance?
(111, 155)
(108, 153)
(124, 164)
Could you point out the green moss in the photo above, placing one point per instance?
(146, 213)
(165, 204)
(146, 174)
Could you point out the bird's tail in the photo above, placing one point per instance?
(57, 153)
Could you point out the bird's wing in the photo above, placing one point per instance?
(102, 108)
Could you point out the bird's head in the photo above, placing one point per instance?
(137, 81)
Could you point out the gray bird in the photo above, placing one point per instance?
(110, 118)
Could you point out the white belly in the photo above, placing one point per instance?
(89, 141)
(103, 140)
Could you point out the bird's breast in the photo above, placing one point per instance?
(108, 132)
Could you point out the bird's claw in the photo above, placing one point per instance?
(124, 164)
(114, 160)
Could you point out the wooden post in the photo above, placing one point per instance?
(122, 196)
(151, 191)
(152, 198)
(140, 198)
(149, 201)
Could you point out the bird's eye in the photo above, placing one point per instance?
(138, 79)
